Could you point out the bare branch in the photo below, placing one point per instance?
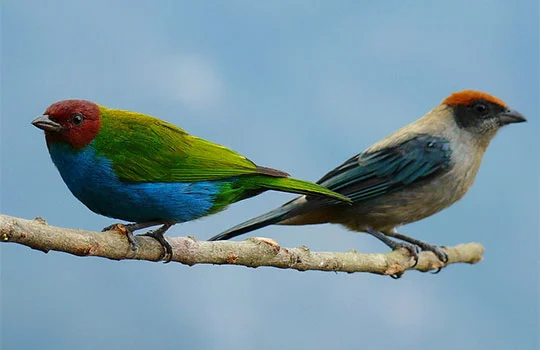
(253, 252)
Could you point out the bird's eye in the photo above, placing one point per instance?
(480, 108)
(77, 119)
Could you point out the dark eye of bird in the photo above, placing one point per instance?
(480, 108)
(77, 119)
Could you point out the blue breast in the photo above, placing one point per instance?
(91, 179)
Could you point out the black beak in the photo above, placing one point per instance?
(510, 116)
(45, 123)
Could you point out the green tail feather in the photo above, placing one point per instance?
(287, 184)
(249, 186)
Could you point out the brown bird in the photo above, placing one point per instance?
(414, 173)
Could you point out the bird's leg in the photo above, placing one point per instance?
(133, 227)
(423, 245)
(158, 236)
(128, 230)
(412, 248)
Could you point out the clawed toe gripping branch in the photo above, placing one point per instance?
(253, 252)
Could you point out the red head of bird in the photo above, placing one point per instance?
(75, 122)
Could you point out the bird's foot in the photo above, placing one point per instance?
(158, 235)
(435, 249)
(439, 253)
(167, 249)
(114, 227)
(126, 230)
(411, 247)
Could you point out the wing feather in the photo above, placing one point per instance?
(145, 149)
(372, 174)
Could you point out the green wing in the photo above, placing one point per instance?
(146, 149)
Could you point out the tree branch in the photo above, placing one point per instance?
(253, 252)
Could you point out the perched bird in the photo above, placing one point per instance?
(414, 173)
(137, 168)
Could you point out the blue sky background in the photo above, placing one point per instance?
(295, 85)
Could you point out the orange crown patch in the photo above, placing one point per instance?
(465, 97)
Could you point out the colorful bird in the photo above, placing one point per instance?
(414, 173)
(137, 168)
